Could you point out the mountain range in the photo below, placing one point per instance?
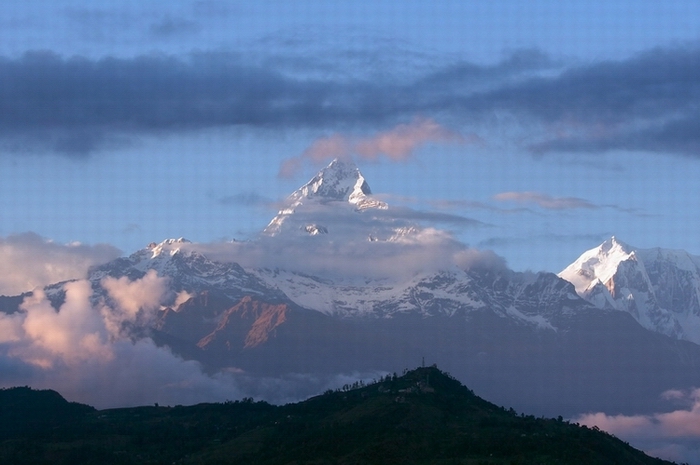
(342, 282)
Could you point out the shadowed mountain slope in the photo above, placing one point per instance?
(422, 417)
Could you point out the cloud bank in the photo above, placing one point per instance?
(672, 435)
(28, 261)
(85, 351)
(415, 251)
(78, 106)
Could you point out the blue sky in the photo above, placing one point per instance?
(129, 122)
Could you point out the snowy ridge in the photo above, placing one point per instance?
(659, 287)
(428, 294)
(541, 301)
(187, 270)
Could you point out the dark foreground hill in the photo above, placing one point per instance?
(422, 417)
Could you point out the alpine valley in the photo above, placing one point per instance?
(341, 282)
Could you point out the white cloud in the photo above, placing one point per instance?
(418, 251)
(28, 261)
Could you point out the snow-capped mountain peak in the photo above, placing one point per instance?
(339, 181)
(597, 265)
(659, 287)
(338, 185)
(169, 246)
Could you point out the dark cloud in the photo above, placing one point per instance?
(77, 106)
(649, 103)
(171, 26)
(466, 78)
(131, 228)
(542, 238)
(409, 214)
(246, 199)
(545, 201)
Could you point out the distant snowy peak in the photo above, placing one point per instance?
(659, 287)
(338, 185)
(170, 246)
(340, 181)
(597, 265)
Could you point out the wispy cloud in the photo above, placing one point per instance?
(452, 204)
(545, 201)
(409, 214)
(543, 238)
(549, 202)
(397, 144)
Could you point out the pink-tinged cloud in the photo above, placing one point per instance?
(74, 351)
(132, 301)
(72, 335)
(397, 144)
(400, 142)
(673, 435)
(133, 296)
(325, 148)
(545, 201)
(81, 329)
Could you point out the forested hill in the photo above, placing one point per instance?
(422, 417)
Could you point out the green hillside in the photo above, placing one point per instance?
(422, 417)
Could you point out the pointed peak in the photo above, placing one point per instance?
(171, 245)
(338, 183)
(341, 180)
(614, 243)
(180, 240)
(341, 163)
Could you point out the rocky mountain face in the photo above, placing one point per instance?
(660, 288)
(523, 340)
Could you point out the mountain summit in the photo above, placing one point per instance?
(659, 287)
(336, 189)
(339, 181)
